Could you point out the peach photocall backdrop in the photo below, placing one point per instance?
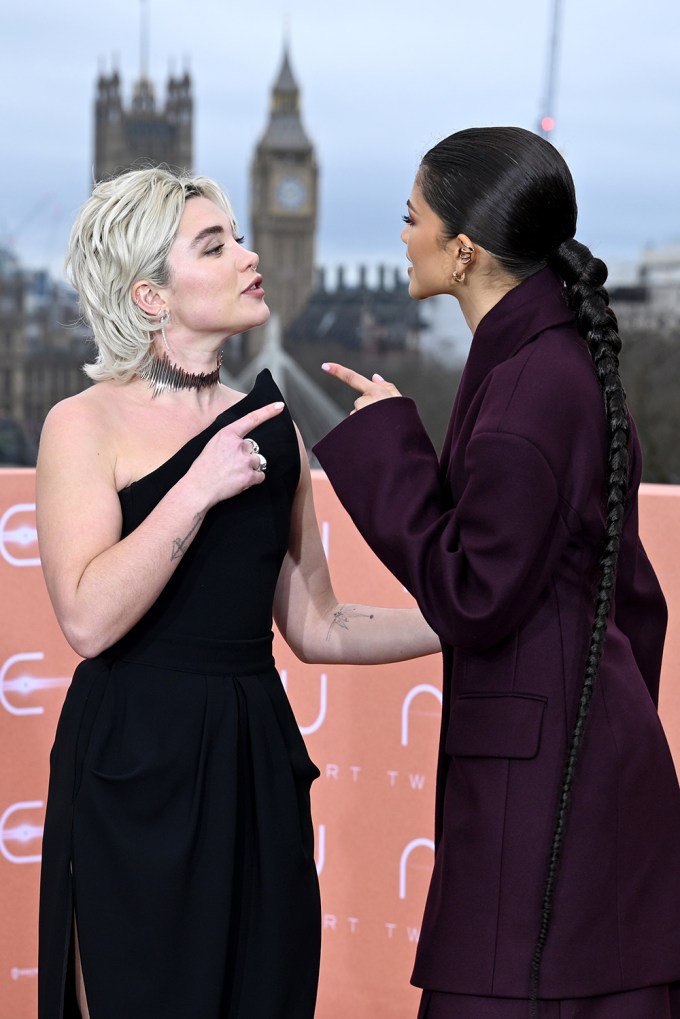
(372, 732)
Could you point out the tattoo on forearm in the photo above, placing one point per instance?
(179, 544)
(342, 616)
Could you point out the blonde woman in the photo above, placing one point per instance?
(175, 516)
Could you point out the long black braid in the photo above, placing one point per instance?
(512, 193)
(585, 277)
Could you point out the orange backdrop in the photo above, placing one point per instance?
(372, 732)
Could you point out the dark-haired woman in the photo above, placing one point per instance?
(556, 885)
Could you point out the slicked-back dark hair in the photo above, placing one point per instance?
(512, 193)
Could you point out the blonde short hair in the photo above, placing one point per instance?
(123, 233)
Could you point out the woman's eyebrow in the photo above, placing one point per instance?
(208, 231)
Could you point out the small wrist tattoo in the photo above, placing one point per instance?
(342, 616)
(179, 544)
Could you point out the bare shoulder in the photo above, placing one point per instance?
(91, 405)
(79, 428)
(78, 510)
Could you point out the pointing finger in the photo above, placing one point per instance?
(248, 422)
(349, 377)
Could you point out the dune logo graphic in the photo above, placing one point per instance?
(20, 833)
(24, 685)
(405, 708)
(403, 863)
(321, 849)
(306, 730)
(22, 536)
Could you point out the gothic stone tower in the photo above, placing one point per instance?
(283, 205)
(142, 134)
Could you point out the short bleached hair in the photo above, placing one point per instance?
(122, 234)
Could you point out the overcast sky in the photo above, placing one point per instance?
(381, 82)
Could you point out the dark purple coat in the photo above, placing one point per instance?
(499, 543)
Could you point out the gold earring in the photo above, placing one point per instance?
(465, 253)
(459, 277)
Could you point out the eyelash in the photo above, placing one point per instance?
(217, 250)
(407, 219)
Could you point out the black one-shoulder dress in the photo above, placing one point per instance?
(178, 822)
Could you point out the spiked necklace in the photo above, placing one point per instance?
(162, 375)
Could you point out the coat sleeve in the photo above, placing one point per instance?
(476, 569)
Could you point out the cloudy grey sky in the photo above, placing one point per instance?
(381, 81)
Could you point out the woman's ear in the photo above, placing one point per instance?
(147, 298)
(463, 255)
(466, 253)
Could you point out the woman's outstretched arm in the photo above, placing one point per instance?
(476, 568)
(317, 627)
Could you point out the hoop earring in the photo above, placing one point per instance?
(459, 277)
(163, 320)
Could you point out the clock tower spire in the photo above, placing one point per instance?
(283, 203)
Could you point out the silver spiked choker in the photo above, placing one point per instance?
(162, 375)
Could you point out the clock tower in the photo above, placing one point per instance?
(283, 204)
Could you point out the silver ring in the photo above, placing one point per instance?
(255, 447)
(262, 466)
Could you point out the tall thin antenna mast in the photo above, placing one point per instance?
(144, 39)
(546, 121)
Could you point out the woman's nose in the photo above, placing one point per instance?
(251, 259)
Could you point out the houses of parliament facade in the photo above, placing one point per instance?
(43, 343)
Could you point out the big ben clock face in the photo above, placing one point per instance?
(291, 193)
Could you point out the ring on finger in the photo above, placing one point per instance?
(255, 448)
(262, 466)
